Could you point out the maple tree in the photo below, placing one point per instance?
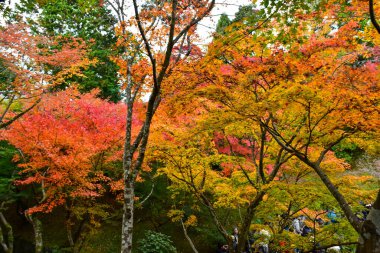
(308, 94)
(348, 111)
(66, 143)
(164, 40)
(25, 59)
(230, 166)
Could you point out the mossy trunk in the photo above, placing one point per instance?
(6, 237)
(37, 229)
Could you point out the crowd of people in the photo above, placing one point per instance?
(258, 241)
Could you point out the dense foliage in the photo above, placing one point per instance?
(115, 122)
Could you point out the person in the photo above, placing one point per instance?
(222, 248)
(320, 222)
(264, 241)
(250, 241)
(235, 239)
(306, 230)
(332, 216)
(297, 225)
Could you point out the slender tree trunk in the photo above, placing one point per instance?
(188, 238)
(6, 243)
(127, 226)
(68, 224)
(369, 241)
(37, 228)
(81, 236)
(69, 235)
(373, 17)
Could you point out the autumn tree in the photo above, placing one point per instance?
(345, 109)
(295, 89)
(163, 40)
(320, 93)
(66, 145)
(225, 163)
(24, 59)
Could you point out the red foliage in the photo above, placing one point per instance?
(66, 144)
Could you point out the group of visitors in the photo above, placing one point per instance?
(262, 246)
(258, 241)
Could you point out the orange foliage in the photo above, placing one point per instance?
(66, 144)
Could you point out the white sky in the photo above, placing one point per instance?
(208, 25)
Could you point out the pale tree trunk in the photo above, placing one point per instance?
(127, 226)
(188, 238)
(6, 243)
(369, 241)
(37, 229)
(131, 167)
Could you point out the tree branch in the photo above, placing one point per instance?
(373, 17)
(3, 125)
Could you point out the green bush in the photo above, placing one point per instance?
(154, 242)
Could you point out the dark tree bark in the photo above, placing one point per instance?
(373, 16)
(369, 241)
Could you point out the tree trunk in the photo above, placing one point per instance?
(37, 228)
(188, 238)
(369, 241)
(248, 219)
(127, 226)
(68, 224)
(81, 236)
(7, 244)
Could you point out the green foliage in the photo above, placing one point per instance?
(156, 243)
(6, 76)
(245, 12)
(87, 20)
(347, 151)
(223, 22)
(8, 174)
